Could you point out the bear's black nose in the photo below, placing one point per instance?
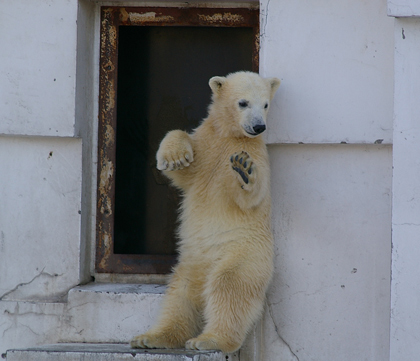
(258, 128)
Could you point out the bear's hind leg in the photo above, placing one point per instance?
(179, 321)
(234, 303)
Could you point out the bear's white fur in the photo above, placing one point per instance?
(217, 290)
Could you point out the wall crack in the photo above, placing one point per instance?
(42, 273)
(265, 18)
(270, 312)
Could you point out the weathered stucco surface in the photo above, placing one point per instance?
(40, 217)
(405, 295)
(330, 296)
(110, 352)
(335, 61)
(331, 203)
(38, 67)
(331, 221)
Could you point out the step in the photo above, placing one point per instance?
(110, 313)
(110, 352)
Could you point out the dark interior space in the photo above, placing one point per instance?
(163, 75)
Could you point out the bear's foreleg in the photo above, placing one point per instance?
(179, 320)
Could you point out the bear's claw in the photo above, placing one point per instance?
(174, 163)
(137, 342)
(175, 151)
(243, 165)
(156, 340)
(242, 174)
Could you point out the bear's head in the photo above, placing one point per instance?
(241, 101)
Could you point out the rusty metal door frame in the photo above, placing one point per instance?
(111, 19)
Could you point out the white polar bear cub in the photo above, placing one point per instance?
(217, 290)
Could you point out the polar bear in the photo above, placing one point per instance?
(217, 289)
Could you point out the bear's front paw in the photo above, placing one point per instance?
(174, 161)
(174, 155)
(138, 342)
(207, 341)
(244, 167)
(156, 340)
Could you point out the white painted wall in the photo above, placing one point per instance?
(38, 63)
(40, 217)
(405, 305)
(40, 169)
(331, 220)
(335, 61)
(40, 192)
(403, 8)
(331, 202)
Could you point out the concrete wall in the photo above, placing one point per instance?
(331, 201)
(405, 291)
(335, 60)
(38, 72)
(40, 169)
(330, 293)
(40, 222)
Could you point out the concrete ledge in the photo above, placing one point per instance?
(108, 352)
(404, 8)
(104, 313)
(123, 288)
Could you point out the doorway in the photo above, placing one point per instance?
(157, 78)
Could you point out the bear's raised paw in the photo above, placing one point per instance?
(243, 165)
(175, 151)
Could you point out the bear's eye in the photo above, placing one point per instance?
(243, 103)
(266, 106)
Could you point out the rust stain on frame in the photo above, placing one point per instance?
(256, 51)
(106, 134)
(150, 16)
(225, 17)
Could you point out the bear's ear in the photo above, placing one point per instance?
(216, 83)
(274, 84)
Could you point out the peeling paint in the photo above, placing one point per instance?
(109, 98)
(107, 243)
(106, 206)
(216, 18)
(256, 51)
(123, 15)
(150, 16)
(107, 172)
(109, 135)
(112, 36)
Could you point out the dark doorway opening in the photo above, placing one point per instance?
(163, 75)
(158, 78)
